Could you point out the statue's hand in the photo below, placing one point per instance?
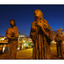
(39, 23)
(12, 33)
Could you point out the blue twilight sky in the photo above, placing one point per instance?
(24, 16)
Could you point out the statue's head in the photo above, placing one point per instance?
(38, 14)
(12, 22)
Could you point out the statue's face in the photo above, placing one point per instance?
(37, 13)
(12, 23)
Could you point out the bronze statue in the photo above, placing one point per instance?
(59, 40)
(12, 35)
(40, 34)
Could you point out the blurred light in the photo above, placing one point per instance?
(53, 41)
(32, 44)
(25, 44)
(23, 40)
(18, 48)
(21, 35)
(2, 39)
(63, 42)
(22, 46)
(3, 49)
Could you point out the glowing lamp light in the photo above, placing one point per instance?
(3, 49)
(18, 48)
(2, 39)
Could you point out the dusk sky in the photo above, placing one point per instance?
(24, 16)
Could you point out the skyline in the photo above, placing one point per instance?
(24, 16)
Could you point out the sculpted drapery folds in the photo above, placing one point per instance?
(12, 35)
(40, 34)
(59, 40)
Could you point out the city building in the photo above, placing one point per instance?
(23, 42)
(2, 38)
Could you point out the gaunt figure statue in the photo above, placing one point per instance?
(40, 35)
(12, 35)
(59, 40)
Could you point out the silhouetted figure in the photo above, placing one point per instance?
(12, 35)
(59, 39)
(40, 34)
(62, 46)
(62, 49)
